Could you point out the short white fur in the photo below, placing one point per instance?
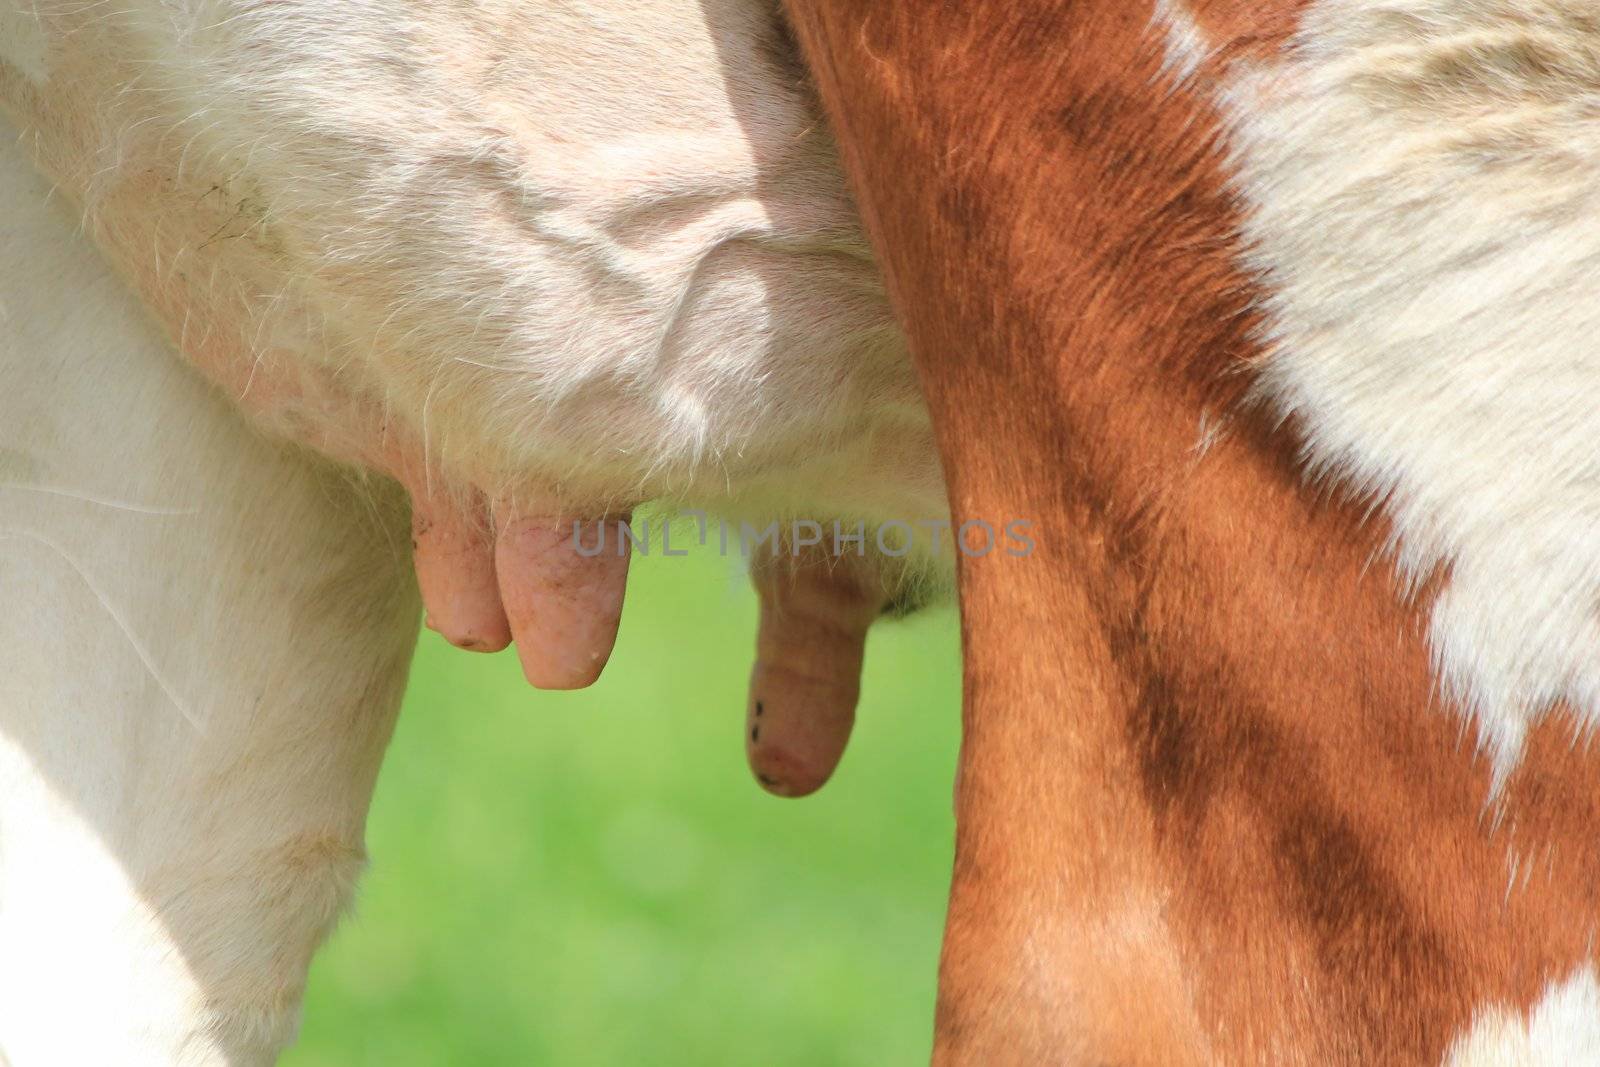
(1562, 1030)
(203, 641)
(604, 252)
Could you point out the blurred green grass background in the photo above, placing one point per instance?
(594, 878)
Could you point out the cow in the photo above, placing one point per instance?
(1278, 320)
(298, 300)
(1273, 319)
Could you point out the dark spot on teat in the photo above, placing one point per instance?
(764, 780)
(759, 708)
(755, 733)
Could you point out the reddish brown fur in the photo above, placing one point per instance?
(1211, 810)
(1254, 31)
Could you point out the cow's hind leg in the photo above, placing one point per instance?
(203, 641)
